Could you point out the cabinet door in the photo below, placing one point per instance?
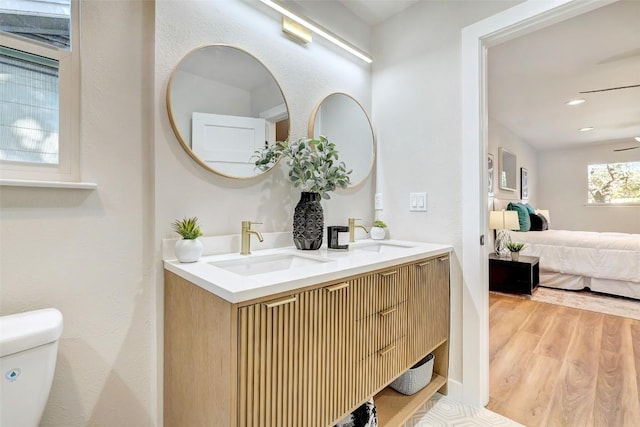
(294, 359)
(428, 309)
(267, 348)
(335, 376)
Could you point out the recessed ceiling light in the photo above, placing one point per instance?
(637, 138)
(577, 101)
(587, 129)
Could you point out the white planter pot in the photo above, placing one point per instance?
(188, 250)
(378, 233)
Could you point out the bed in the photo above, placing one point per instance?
(603, 262)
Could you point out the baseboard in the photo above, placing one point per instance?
(455, 390)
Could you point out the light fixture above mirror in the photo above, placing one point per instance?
(224, 104)
(316, 28)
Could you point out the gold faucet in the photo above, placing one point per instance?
(352, 229)
(245, 248)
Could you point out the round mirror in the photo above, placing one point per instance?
(224, 105)
(344, 122)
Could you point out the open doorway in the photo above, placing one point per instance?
(538, 365)
(476, 39)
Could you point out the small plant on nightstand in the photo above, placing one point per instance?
(515, 248)
(189, 248)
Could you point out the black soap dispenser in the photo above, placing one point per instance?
(333, 237)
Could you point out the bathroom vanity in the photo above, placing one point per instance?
(302, 338)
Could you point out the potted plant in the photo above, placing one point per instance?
(515, 248)
(315, 169)
(189, 248)
(378, 231)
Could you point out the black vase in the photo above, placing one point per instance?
(308, 222)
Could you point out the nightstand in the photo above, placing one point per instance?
(520, 276)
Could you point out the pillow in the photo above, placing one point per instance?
(538, 222)
(523, 215)
(529, 208)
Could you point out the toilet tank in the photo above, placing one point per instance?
(28, 350)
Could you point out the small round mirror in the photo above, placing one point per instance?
(344, 122)
(224, 105)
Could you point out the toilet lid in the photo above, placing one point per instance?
(23, 331)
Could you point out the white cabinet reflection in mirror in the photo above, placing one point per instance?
(227, 143)
(344, 122)
(224, 104)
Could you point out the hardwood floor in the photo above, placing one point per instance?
(558, 366)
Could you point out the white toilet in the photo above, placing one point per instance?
(28, 350)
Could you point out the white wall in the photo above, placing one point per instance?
(563, 189)
(306, 75)
(416, 111)
(526, 157)
(89, 253)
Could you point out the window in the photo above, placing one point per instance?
(614, 183)
(29, 110)
(39, 90)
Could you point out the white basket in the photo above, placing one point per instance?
(416, 378)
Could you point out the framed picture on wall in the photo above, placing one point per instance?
(490, 173)
(524, 184)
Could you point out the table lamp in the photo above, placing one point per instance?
(502, 221)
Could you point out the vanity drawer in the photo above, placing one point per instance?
(380, 290)
(380, 329)
(381, 367)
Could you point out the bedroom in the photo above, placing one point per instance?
(543, 133)
(530, 79)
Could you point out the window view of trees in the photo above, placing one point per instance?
(614, 183)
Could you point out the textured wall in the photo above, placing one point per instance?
(306, 74)
(88, 253)
(526, 157)
(563, 189)
(416, 110)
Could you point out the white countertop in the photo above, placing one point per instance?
(237, 288)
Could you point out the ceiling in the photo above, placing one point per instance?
(372, 12)
(530, 79)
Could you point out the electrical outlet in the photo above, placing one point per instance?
(379, 205)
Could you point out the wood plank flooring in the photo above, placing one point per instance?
(556, 366)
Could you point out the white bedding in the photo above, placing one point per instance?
(606, 256)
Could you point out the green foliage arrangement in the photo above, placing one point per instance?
(379, 223)
(188, 228)
(313, 164)
(515, 246)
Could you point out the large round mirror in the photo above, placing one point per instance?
(344, 122)
(223, 106)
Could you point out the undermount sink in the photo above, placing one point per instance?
(380, 247)
(253, 265)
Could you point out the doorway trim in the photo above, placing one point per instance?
(519, 20)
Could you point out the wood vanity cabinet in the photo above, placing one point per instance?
(307, 357)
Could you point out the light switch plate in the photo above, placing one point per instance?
(379, 204)
(418, 202)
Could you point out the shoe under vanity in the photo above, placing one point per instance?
(285, 337)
